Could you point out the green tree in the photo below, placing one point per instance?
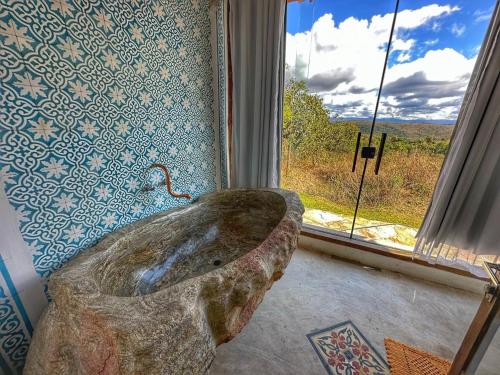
(307, 129)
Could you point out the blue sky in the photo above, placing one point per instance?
(327, 39)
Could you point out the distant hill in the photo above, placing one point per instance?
(407, 130)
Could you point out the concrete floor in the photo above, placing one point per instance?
(318, 291)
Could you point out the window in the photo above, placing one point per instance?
(362, 176)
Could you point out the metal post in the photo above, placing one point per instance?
(482, 329)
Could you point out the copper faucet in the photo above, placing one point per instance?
(169, 182)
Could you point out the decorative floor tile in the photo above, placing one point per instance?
(344, 350)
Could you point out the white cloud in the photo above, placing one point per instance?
(402, 57)
(343, 62)
(442, 64)
(438, 75)
(402, 45)
(457, 29)
(411, 18)
(483, 15)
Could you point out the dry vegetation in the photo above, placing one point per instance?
(400, 193)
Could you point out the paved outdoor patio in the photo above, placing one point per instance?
(386, 234)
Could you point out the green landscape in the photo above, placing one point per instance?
(318, 152)
(409, 130)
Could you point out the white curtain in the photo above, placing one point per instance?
(463, 219)
(257, 36)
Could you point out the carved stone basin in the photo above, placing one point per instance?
(158, 296)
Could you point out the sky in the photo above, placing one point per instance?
(338, 48)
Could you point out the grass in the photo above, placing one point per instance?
(379, 214)
(323, 204)
(400, 193)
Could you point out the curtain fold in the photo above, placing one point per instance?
(463, 219)
(257, 37)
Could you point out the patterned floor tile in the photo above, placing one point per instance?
(344, 350)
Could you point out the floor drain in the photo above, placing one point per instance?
(217, 262)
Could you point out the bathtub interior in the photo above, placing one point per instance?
(183, 244)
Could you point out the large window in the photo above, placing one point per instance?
(360, 177)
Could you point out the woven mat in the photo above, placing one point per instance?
(406, 360)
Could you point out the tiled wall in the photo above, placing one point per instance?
(92, 93)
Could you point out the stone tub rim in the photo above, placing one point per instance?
(91, 287)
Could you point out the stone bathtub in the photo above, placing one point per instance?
(159, 295)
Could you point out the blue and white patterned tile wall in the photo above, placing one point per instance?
(92, 93)
(15, 326)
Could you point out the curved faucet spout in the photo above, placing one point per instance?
(169, 182)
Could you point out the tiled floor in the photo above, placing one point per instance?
(318, 291)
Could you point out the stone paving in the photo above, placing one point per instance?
(386, 234)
